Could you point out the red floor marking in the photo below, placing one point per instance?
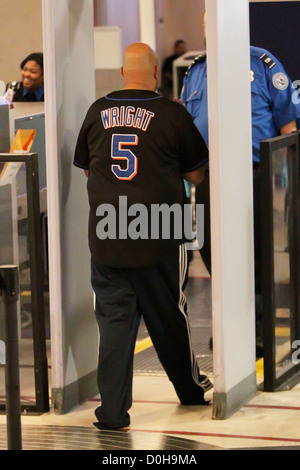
(23, 397)
(207, 434)
(274, 407)
(158, 402)
(146, 401)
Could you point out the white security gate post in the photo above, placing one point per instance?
(229, 101)
(68, 31)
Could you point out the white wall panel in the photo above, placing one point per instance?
(70, 90)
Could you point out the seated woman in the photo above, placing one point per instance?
(31, 88)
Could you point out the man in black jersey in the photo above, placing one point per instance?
(136, 147)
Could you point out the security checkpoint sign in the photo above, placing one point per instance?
(21, 145)
(9, 172)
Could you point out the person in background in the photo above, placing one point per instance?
(273, 113)
(167, 68)
(31, 87)
(134, 143)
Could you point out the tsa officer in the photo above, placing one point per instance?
(274, 112)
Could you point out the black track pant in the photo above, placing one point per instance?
(122, 297)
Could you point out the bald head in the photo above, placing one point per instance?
(140, 67)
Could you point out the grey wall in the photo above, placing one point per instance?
(20, 34)
(116, 13)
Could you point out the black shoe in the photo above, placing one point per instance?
(105, 427)
(110, 427)
(198, 397)
(200, 402)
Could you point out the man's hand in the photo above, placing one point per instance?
(195, 177)
(288, 128)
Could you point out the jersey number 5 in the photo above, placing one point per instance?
(120, 153)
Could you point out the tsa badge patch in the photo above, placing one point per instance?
(280, 81)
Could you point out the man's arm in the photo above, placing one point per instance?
(86, 173)
(196, 176)
(288, 128)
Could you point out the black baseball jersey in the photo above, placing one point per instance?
(136, 144)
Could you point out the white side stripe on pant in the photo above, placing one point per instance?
(205, 384)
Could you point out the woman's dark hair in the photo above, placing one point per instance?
(37, 57)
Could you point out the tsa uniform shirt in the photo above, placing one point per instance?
(194, 94)
(271, 97)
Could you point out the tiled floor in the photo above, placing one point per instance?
(158, 421)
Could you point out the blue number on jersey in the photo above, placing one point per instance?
(120, 153)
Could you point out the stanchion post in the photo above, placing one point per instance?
(9, 291)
